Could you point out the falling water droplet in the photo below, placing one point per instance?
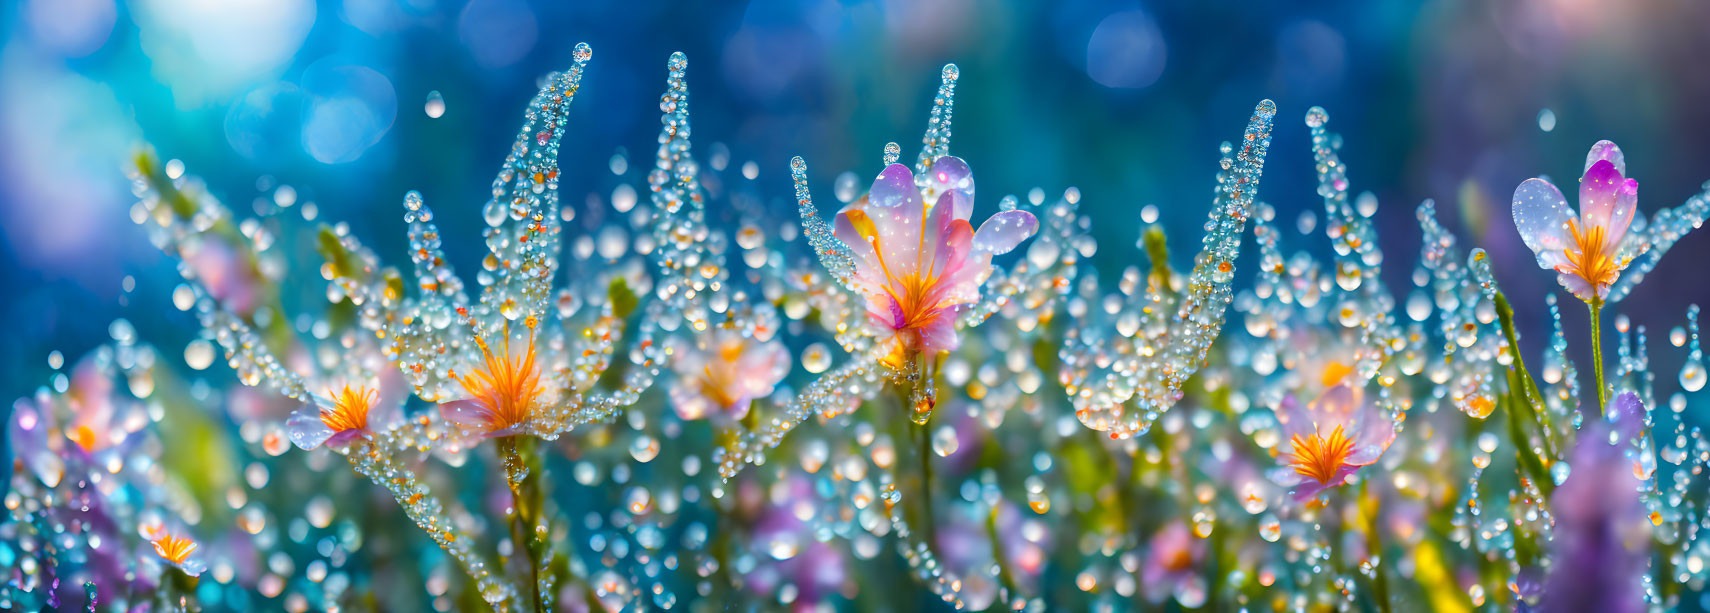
(892, 152)
(435, 106)
(1546, 120)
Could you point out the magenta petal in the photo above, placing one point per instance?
(1606, 150)
(468, 413)
(1597, 192)
(344, 437)
(1003, 231)
(895, 187)
(305, 428)
(949, 175)
(1541, 215)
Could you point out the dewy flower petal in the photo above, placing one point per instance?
(917, 264)
(724, 377)
(1583, 250)
(342, 417)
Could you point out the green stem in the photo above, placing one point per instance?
(516, 453)
(1380, 583)
(1596, 305)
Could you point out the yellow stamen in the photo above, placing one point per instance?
(173, 549)
(350, 408)
(1319, 457)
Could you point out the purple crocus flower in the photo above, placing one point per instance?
(1601, 544)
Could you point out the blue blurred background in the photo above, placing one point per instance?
(1125, 100)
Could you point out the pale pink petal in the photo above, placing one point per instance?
(1541, 215)
(1579, 287)
(939, 223)
(305, 428)
(1376, 433)
(688, 401)
(845, 231)
(1002, 232)
(950, 256)
(1597, 194)
(1606, 150)
(940, 334)
(468, 413)
(949, 175)
(1337, 406)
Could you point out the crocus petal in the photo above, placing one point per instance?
(1003, 231)
(940, 334)
(1293, 419)
(305, 428)
(468, 413)
(1541, 215)
(1311, 488)
(1626, 209)
(689, 403)
(940, 224)
(1598, 190)
(1337, 406)
(950, 176)
(895, 187)
(344, 437)
(1606, 150)
(1375, 435)
(1580, 288)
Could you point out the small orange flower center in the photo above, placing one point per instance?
(1335, 372)
(508, 384)
(84, 436)
(1590, 257)
(1319, 457)
(173, 549)
(1179, 560)
(350, 408)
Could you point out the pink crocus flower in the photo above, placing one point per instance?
(1583, 250)
(1329, 439)
(724, 376)
(916, 261)
(1173, 564)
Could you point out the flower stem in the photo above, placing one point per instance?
(517, 455)
(1596, 305)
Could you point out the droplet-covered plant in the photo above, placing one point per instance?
(725, 401)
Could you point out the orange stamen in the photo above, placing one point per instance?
(173, 549)
(509, 384)
(1319, 457)
(1591, 257)
(350, 408)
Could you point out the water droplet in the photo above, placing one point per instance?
(892, 152)
(644, 448)
(435, 106)
(582, 53)
(1692, 376)
(1316, 117)
(199, 354)
(951, 72)
(1546, 120)
(944, 441)
(816, 358)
